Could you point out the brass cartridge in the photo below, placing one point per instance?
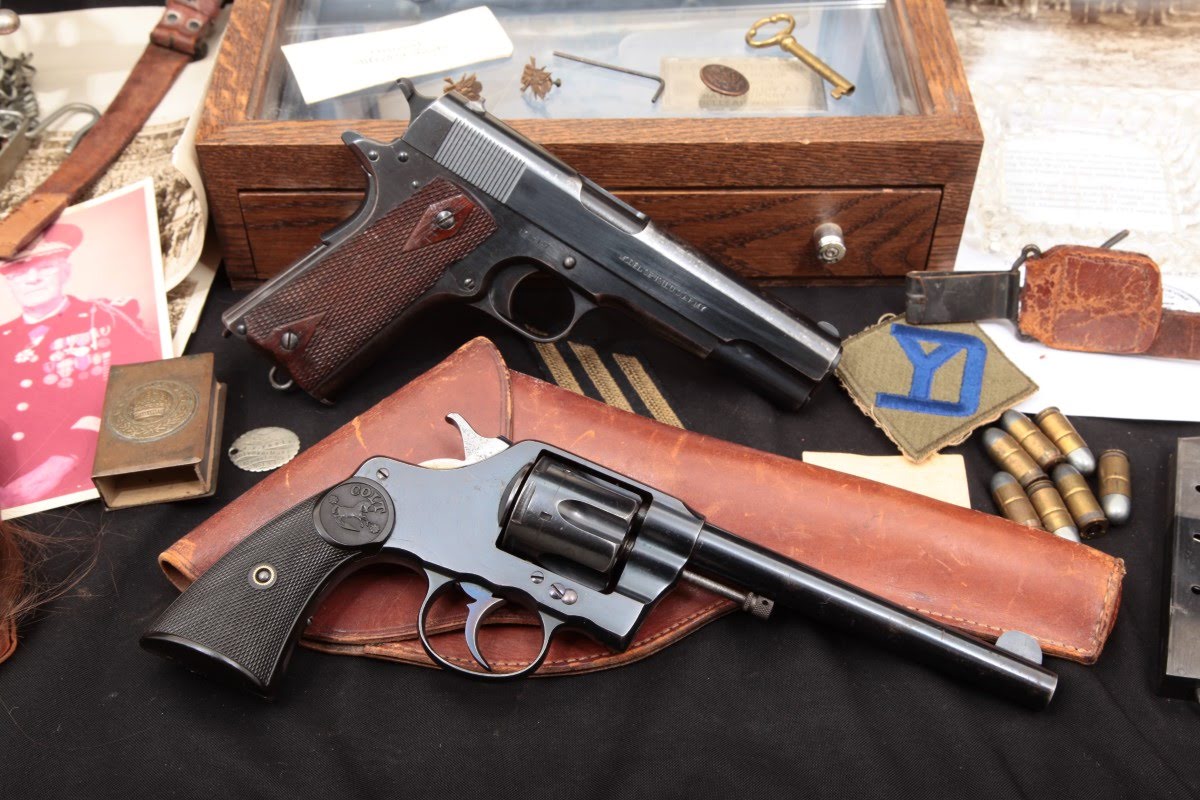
(1011, 457)
(1116, 489)
(1013, 502)
(1059, 430)
(1030, 437)
(1052, 510)
(1086, 512)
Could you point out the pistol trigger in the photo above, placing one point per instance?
(482, 604)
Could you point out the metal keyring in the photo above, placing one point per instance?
(1027, 252)
(777, 38)
(278, 385)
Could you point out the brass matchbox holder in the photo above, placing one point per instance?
(160, 432)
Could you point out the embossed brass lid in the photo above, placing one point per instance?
(159, 432)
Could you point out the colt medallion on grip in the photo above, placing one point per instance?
(355, 513)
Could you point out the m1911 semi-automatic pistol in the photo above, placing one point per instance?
(581, 546)
(463, 208)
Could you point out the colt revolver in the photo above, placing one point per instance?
(582, 547)
(463, 208)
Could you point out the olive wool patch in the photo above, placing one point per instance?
(929, 386)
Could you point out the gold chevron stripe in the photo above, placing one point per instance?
(558, 367)
(600, 376)
(644, 385)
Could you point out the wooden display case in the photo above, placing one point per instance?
(893, 167)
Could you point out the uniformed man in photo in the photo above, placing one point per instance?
(54, 361)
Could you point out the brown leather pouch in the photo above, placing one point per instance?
(973, 571)
(1099, 300)
(1092, 299)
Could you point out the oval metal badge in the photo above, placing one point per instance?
(264, 449)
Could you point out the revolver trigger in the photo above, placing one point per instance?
(482, 603)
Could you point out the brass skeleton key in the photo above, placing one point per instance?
(784, 39)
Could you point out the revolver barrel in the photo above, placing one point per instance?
(609, 537)
(792, 585)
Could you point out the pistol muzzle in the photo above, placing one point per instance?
(778, 382)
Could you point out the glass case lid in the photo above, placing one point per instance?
(674, 58)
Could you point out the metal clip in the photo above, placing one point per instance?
(55, 116)
(936, 297)
(23, 134)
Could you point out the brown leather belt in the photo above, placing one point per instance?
(178, 38)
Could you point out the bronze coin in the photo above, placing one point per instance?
(724, 80)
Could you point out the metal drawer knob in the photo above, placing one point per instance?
(831, 247)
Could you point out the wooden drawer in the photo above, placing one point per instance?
(761, 234)
(747, 190)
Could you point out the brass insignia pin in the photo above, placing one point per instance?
(468, 86)
(538, 79)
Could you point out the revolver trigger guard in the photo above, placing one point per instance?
(483, 603)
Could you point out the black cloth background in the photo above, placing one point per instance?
(740, 708)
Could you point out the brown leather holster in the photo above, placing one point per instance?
(973, 571)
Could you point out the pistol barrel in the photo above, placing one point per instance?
(724, 556)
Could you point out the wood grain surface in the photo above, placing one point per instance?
(698, 164)
(761, 235)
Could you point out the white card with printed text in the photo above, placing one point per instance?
(326, 68)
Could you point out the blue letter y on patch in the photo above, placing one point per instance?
(929, 386)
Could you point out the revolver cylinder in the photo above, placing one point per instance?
(570, 521)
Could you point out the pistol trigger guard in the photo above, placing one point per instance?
(583, 305)
(580, 305)
(499, 300)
